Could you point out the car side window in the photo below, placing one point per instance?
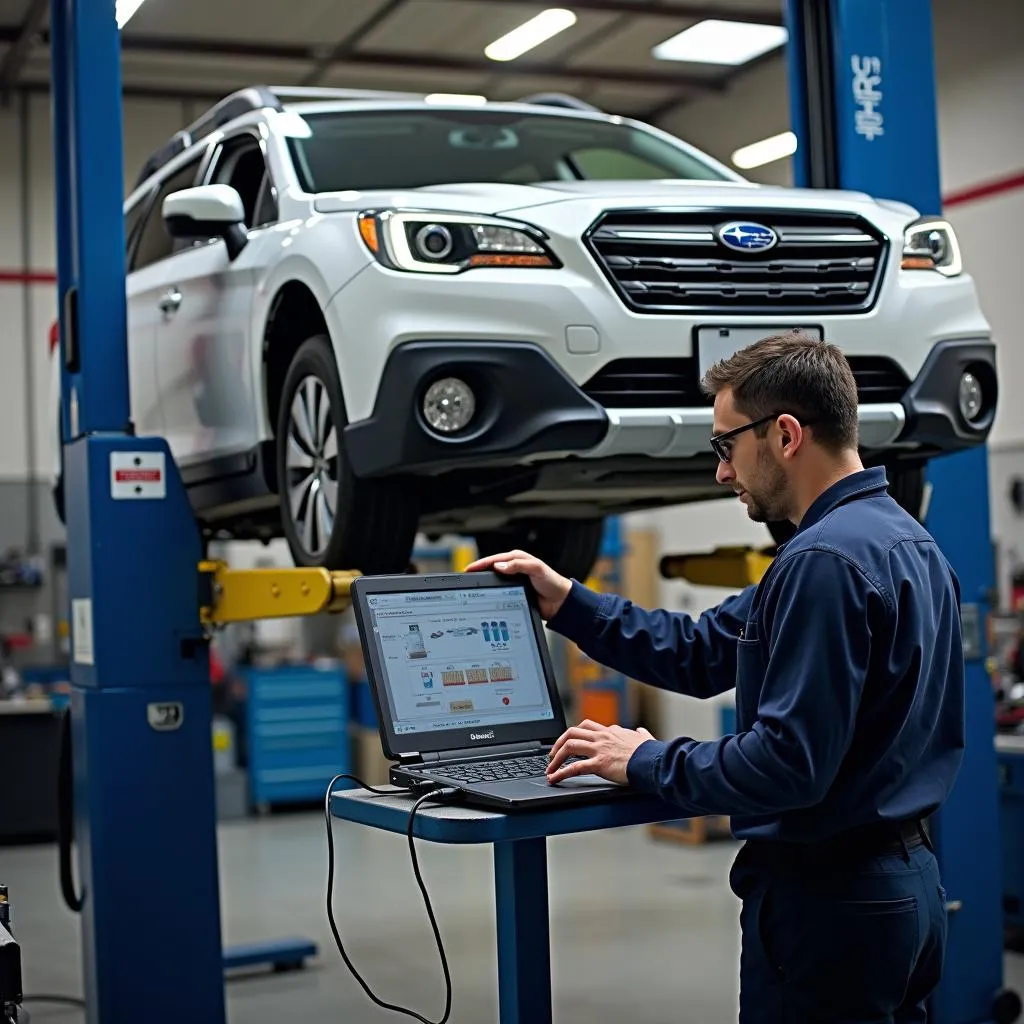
(155, 243)
(132, 222)
(241, 165)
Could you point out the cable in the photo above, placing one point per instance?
(438, 795)
(65, 816)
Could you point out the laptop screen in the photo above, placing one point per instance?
(457, 663)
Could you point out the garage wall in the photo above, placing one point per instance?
(28, 297)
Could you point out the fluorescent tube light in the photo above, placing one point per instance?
(469, 99)
(124, 11)
(530, 34)
(721, 42)
(764, 152)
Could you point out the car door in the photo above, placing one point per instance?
(149, 247)
(203, 366)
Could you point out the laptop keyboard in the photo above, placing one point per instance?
(498, 771)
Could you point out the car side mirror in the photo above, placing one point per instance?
(207, 211)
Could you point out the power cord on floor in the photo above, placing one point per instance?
(439, 795)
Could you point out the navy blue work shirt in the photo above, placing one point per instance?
(848, 668)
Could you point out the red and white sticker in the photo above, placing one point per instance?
(137, 475)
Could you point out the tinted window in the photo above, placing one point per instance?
(410, 149)
(154, 242)
(240, 164)
(132, 220)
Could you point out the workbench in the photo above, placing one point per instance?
(29, 750)
(520, 872)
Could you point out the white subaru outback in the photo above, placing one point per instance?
(356, 316)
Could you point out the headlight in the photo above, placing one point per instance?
(930, 244)
(449, 243)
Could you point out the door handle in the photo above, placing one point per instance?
(170, 301)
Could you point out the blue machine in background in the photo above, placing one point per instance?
(141, 703)
(862, 87)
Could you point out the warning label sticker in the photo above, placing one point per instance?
(137, 475)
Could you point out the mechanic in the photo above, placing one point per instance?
(849, 677)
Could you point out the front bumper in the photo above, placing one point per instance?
(529, 410)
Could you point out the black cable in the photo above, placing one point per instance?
(66, 816)
(434, 794)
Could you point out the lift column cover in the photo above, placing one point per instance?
(141, 703)
(862, 86)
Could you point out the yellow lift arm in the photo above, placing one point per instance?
(243, 595)
(732, 567)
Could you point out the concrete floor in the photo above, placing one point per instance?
(641, 931)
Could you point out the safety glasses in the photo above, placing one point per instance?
(721, 444)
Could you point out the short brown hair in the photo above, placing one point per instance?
(796, 374)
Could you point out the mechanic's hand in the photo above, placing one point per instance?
(605, 749)
(551, 587)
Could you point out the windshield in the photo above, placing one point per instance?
(412, 148)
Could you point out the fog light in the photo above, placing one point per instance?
(970, 397)
(448, 405)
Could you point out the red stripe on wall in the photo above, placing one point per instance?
(997, 186)
(27, 277)
(985, 190)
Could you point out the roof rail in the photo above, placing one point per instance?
(559, 99)
(311, 93)
(256, 97)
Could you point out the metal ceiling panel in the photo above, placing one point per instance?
(12, 12)
(630, 48)
(311, 22)
(463, 28)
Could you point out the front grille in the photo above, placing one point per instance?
(674, 262)
(672, 383)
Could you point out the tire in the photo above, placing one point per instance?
(569, 546)
(906, 485)
(370, 525)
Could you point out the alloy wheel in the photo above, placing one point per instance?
(311, 461)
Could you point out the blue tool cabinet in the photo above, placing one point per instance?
(297, 727)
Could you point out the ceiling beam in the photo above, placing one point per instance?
(535, 69)
(652, 9)
(347, 44)
(26, 38)
(192, 47)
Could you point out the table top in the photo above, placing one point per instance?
(42, 706)
(1010, 742)
(458, 823)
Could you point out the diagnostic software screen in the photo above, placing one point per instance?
(457, 658)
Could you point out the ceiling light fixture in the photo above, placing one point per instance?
(721, 42)
(765, 152)
(468, 99)
(531, 33)
(124, 11)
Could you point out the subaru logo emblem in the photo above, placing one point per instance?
(744, 236)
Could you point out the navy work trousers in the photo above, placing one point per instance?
(847, 940)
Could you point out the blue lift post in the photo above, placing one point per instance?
(141, 700)
(862, 89)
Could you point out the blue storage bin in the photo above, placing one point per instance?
(364, 710)
(297, 727)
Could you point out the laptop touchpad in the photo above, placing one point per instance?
(576, 782)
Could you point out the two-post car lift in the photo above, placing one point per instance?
(142, 598)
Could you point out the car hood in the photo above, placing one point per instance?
(493, 198)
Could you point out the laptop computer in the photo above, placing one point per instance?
(461, 674)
